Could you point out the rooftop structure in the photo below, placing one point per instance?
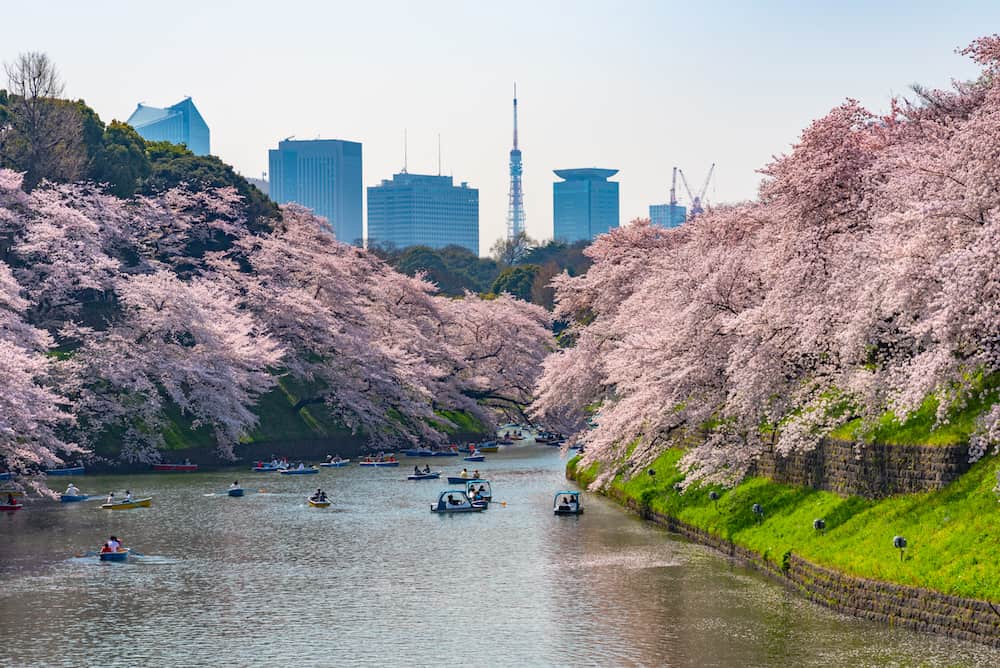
(584, 204)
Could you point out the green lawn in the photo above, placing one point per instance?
(953, 534)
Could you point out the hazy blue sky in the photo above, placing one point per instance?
(638, 86)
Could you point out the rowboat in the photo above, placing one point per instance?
(385, 463)
(424, 476)
(318, 504)
(266, 468)
(459, 480)
(236, 491)
(120, 555)
(9, 508)
(73, 498)
(444, 453)
(475, 458)
(337, 464)
(567, 502)
(176, 468)
(302, 471)
(7, 475)
(456, 501)
(75, 470)
(418, 452)
(128, 505)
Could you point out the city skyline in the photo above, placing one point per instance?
(732, 88)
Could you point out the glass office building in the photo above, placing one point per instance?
(323, 175)
(667, 215)
(418, 209)
(180, 123)
(584, 204)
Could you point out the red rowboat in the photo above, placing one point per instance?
(183, 468)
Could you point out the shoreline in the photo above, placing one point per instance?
(892, 604)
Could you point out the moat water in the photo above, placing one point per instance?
(379, 580)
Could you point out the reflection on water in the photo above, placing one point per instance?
(379, 580)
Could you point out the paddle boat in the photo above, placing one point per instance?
(235, 491)
(186, 467)
(74, 470)
(337, 464)
(10, 507)
(73, 498)
(120, 555)
(480, 487)
(476, 456)
(391, 461)
(145, 502)
(434, 475)
(456, 501)
(505, 441)
(302, 470)
(567, 502)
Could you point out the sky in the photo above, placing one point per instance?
(630, 85)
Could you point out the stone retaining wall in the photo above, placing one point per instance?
(892, 604)
(873, 471)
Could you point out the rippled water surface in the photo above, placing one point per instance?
(378, 580)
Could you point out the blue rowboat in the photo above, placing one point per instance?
(266, 468)
(418, 452)
(459, 480)
(6, 476)
(76, 470)
(475, 458)
(337, 464)
(121, 555)
(72, 498)
(445, 453)
(424, 476)
(299, 471)
(236, 491)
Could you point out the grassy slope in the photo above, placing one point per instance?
(953, 534)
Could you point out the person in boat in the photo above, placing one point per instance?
(482, 491)
(128, 495)
(72, 490)
(475, 474)
(111, 498)
(11, 501)
(302, 466)
(452, 501)
(187, 462)
(416, 470)
(464, 473)
(427, 468)
(235, 485)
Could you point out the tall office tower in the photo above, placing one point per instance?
(323, 175)
(179, 123)
(515, 207)
(584, 204)
(667, 215)
(417, 209)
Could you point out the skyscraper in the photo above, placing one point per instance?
(584, 204)
(323, 175)
(515, 206)
(667, 215)
(418, 209)
(179, 123)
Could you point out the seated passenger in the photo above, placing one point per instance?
(72, 490)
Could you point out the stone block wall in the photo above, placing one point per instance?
(896, 605)
(874, 470)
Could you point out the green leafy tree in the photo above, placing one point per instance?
(120, 160)
(517, 281)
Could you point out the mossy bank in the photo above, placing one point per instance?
(946, 580)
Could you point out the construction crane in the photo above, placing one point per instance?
(696, 200)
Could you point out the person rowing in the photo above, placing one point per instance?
(427, 468)
(235, 485)
(72, 490)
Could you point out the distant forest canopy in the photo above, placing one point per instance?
(526, 275)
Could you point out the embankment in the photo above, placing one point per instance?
(945, 582)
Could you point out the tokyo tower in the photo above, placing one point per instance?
(515, 208)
